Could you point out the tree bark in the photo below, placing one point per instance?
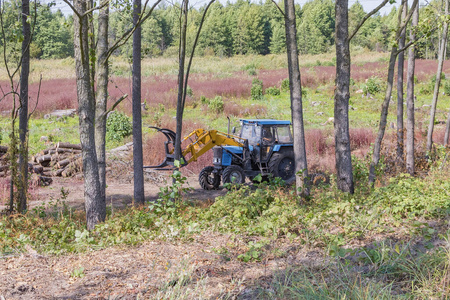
(102, 97)
(385, 106)
(295, 87)
(341, 100)
(139, 196)
(410, 167)
(181, 87)
(438, 82)
(23, 110)
(95, 207)
(400, 68)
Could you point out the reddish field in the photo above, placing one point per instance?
(61, 93)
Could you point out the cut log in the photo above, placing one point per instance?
(68, 145)
(3, 149)
(44, 158)
(45, 180)
(61, 113)
(57, 172)
(38, 169)
(3, 168)
(63, 163)
(46, 151)
(47, 169)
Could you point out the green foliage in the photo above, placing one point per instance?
(372, 86)
(257, 89)
(118, 126)
(216, 104)
(447, 87)
(285, 85)
(273, 91)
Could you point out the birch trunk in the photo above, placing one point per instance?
(401, 59)
(301, 166)
(410, 99)
(438, 82)
(341, 100)
(95, 207)
(138, 164)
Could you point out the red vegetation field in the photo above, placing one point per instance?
(61, 93)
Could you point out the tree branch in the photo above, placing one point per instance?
(279, 8)
(73, 8)
(115, 104)
(124, 38)
(366, 17)
(96, 8)
(193, 50)
(37, 98)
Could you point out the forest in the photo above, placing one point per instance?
(351, 200)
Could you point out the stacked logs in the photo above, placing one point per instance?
(64, 159)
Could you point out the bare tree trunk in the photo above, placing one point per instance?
(410, 99)
(138, 164)
(181, 87)
(401, 59)
(95, 207)
(102, 97)
(438, 82)
(23, 110)
(387, 97)
(341, 99)
(295, 87)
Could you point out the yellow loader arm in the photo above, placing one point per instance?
(201, 141)
(204, 140)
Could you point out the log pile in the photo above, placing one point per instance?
(64, 159)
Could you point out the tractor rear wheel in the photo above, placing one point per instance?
(209, 180)
(233, 174)
(282, 164)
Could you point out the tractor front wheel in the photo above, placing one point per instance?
(282, 164)
(233, 174)
(208, 179)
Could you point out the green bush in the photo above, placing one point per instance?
(285, 85)
(372, 86)
(273, 91)
(118, 126)
(447, 87)
(257, 89)
(216, 104)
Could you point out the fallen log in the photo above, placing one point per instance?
(44, 158)
(68, 145)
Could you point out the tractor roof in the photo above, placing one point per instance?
(266, 122)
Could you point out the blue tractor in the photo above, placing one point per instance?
(266, 149)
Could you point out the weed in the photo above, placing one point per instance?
(372, 86)
(257, 89)
(77, 273)
(273, 91)
(118, 126)
(216, 104)
(285, 85)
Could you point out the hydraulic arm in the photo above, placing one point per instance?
(200, 142)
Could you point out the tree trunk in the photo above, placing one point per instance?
(401, 59)
(301, 166)
(383, 117)
(139, 196)
(95, 207)
(387, 97)
(438, 82)
(410, 99)
(181, 87)
(102, 97)
(341, 99)
(23, 111)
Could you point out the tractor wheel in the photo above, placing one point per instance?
(209, 180)
(282, 164)
(233, 174)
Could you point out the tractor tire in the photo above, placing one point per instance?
(209, 180)
(233, 174)
(282, 164)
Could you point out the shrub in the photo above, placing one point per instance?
(118, 126)
(447, 87)
(285, 85)
(273, 91)
(372, 86)
(216, 104)
(257, 89)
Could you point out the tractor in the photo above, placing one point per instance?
(264, 147)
